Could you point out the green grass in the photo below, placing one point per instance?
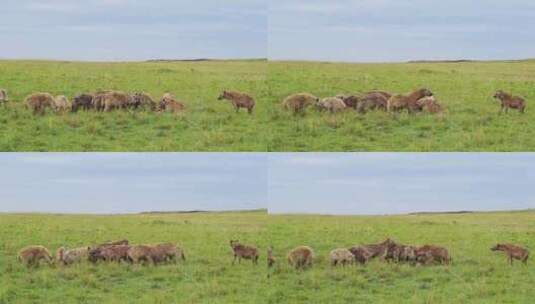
(471, 123)
(477, 274)
(207, 276)
(207, 125)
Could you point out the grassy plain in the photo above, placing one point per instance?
(477, 274)
(207, 276)
(207, 125)
(472, 122)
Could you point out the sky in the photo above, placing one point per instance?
(401, 30)
(315, 183)
(399, 183)
(112, 183)
(121, 30)
(336, 30)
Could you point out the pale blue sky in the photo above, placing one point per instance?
(338, 30)
(129, 182)
(392, 183)
(324, 183)
(132, 29)
(400, 30)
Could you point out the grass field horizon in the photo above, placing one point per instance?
(206, 125)
(453, 212)
(423, 60)
(155, 212)
(476, 275)
(206, 276)
(471, 121)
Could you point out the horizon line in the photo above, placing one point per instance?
(256, 210)
(135, 213)
(458, 60)
(136, 61)
(405, 61)
(458, 212)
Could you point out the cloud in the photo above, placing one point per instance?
(131, 182)
(386, 183)
(309, 30)
(399, 30)
(112, 29)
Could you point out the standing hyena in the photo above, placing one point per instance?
(341, 256)
(429, 254)
(513, 252)
(39, 102)
(396, 103)
(168, 103)
(3, 96)
(244, 252)
(508, 101)
(83, 101)
(301, 257)
(239, 100)
(331, 104)
(33, 255)
(143, 100)
(270, 257)
(71, 256)
(297, 103)
(61, 103)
